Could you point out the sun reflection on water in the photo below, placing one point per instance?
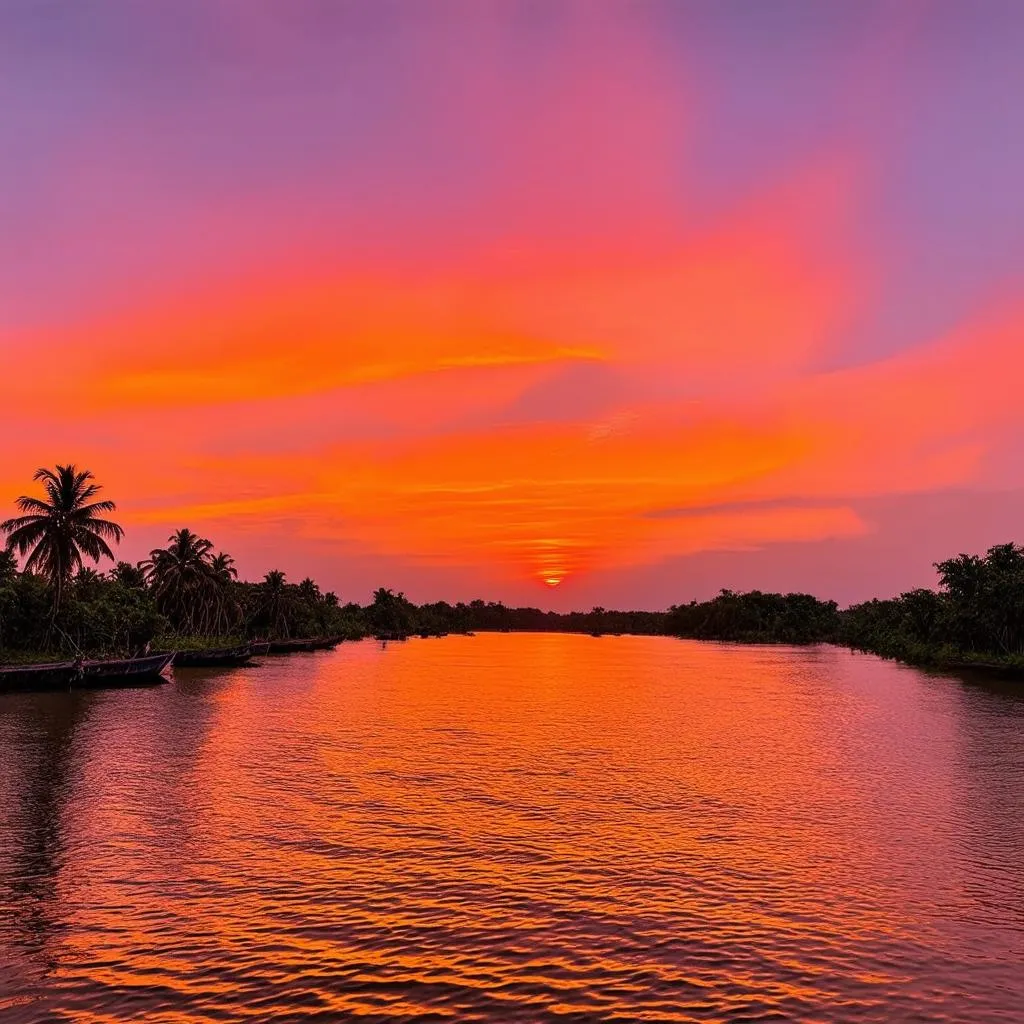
(515, 828)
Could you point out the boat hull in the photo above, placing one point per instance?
(291, 646)
(327, 643)
(227, 657)
(126, 672)
(67, 675)
(36, 678)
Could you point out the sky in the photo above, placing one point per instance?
(562, 303)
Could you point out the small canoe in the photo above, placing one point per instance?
(223, 657)
(127, 671)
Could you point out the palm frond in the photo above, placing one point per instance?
(13, 524)
(26, 503)
(47, 475)
(103, 528)
(96, 507)
(22, 535)
(85, 493)
(95, 547)
(39, 559)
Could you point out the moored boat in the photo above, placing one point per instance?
(126, 671)
(223, 657)
(57, 675)
(66, 675)
(326, 643)
(291, 646)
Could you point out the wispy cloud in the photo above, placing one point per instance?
(484, 291)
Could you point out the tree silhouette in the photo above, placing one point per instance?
(59, 531)
(182, 580)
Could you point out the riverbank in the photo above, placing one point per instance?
(974, 621)
(947, 659)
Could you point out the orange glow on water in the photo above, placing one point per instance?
(561, 823)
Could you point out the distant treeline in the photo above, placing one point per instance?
(974, 618)
(186, 595)
(756, 617)
(478, 616)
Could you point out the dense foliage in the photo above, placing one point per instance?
(975, 617)
(183, 595)
(756, 617)
(98, 614)
(187, 595)
(124, 610)
(442, 617)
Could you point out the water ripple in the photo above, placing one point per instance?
(517, 828)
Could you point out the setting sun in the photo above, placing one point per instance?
(606, 325)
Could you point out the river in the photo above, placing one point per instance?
(517, 828)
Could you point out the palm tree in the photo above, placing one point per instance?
(223, 567)
(128, 575)
(275, 602)
(182, 581)
(56, 532)
(390, 613)
(228, 607)
(309, 591)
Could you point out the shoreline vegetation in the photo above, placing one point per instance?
(187, 597)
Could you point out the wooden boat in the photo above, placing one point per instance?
(126, 672)
(326, 643)
(66, 675)
(223, 657)
(58, 675)
(291, 646)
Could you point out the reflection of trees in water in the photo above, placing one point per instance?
(39, 768)
(173, 743)
(45, 758)
(990, 771)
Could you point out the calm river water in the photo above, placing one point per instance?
(517, 828)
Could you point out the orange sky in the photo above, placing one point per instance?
(528, 309)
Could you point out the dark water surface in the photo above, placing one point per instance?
(517, 828)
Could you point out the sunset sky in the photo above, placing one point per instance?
(641, 298)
